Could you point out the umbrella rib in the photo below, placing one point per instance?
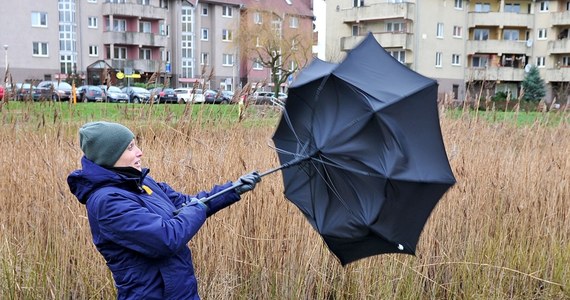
(329, 185)
(348, 168)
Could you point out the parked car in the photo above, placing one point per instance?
(164, 95)
(261, 98)
(137, 94)
(211, 97)
(1, 92)
(114, 94)
(218, 97)
(89, 93)
(192, 95)
(54, 90)
(226, 97)
(26, 91)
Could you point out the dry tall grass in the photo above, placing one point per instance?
(501, 233)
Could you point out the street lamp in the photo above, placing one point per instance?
(6, 56)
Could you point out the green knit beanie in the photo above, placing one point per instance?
(103, 142)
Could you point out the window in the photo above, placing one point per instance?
(204, 9)
(118, 53)
(458, 4)
(226, 35)
(144, 26)
(92, 22)
(482, 7)
(510, 35)
(439, 30)
(227, 59)
(293, 22)
(512, 7)
(143, 2)
(257, 64)
(358, 3)
(479, 61)
(294, 45)
(355, 30)
(455, 60)
(40, 49)
(399, 55)
(204, 36)
(566, 61)
(457, 31)
(204, 59)
(93, 50)
(163, 4)
(115, 1)
(119, 25)
(481, 34)
(257, 19)
(39, 19)
(227, 11)
(395, 27)
(145, 53)
(544, 5)
(542, 34)
(567, 5)
(92, 1)
(540, 61)
(438, 59)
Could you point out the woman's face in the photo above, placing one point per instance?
(131, 157)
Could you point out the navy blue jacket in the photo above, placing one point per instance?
(136, 229)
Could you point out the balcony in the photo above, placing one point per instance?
(499, 19)
(135, 10)
(494, 74)
(135, 38)
(498, 46)
(140, 65)
(560, 18)
(559, 46)
(386, 39)
(377, 11)
(557, 75)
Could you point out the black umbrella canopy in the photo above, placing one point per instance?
(363, 152)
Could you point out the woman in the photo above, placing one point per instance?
(140, 226)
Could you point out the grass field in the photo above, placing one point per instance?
(502, 232)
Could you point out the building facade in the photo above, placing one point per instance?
(184, 42)
(470, 47)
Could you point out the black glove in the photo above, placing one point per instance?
(247, 182)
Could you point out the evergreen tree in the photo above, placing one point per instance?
(533, 84)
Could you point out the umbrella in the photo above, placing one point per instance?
(362, 152)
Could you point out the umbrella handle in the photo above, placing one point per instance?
(238, 183)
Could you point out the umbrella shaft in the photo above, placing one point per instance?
(283, 166)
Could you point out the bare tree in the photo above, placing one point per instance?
(268, 41)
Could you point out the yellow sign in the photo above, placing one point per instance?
(133, 76)
(120, 75)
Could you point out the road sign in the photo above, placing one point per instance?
(120, 75)
(133, 76)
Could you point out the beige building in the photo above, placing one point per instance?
(468, 46)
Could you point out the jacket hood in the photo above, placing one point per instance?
(83, 182)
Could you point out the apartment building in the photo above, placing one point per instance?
(185, 42)
(470, 47)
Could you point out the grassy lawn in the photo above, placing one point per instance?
(54, 112)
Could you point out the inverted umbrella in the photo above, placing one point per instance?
(362, 152)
